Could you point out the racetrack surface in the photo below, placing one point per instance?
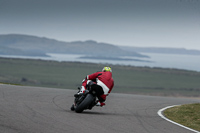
(47, 110)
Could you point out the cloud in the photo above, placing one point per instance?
(172, 23)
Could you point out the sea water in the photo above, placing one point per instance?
(187, 62)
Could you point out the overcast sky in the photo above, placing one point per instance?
(160, 23)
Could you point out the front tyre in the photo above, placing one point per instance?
(84, 104)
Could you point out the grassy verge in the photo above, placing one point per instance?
(187, 115)
(128, 79)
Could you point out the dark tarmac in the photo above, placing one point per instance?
(47, 110)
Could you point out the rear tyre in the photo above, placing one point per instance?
(84, 104)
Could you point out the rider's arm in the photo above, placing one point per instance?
(90, 77)
(93, 76)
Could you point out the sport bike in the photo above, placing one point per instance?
(88, 99)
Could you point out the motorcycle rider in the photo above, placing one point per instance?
(104, 82)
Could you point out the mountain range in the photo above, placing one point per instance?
(27, 45)
(180, 51)
(16, 44)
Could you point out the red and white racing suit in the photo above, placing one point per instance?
(103, 79)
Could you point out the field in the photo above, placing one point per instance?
(128, 79)
(187, 115)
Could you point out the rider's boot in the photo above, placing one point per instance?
(100, 104)
(72, 108)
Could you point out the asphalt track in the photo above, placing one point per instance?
(47, 110)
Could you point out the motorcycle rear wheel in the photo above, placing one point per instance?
(84, 104)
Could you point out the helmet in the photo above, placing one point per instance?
(105, 69)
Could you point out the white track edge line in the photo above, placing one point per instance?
(162, 116)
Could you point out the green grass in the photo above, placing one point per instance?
(128, 79)
(187, 115)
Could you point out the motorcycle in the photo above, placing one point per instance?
(88, 99)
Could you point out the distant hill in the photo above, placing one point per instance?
(16, 44)
(161, 50)
(13, 51)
